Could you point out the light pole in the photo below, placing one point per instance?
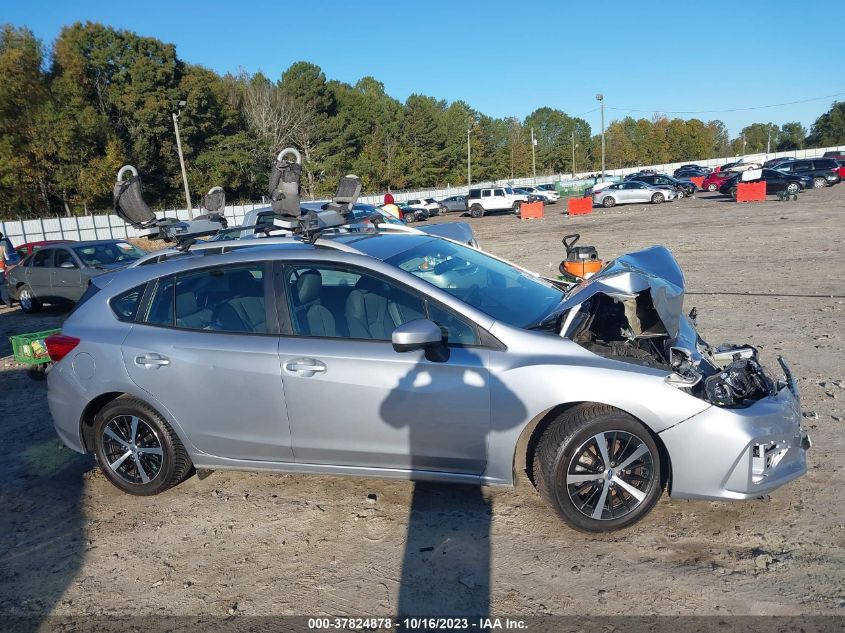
(533, 156)
(176, 115)
(600, 98)
(469, 157)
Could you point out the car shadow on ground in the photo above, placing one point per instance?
(42, 519)
(446, 564)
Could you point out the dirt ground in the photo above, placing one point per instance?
(248, 544)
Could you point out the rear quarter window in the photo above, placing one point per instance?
(124, 305)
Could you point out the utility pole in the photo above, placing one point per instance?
(600, 98)
(469, 160)
(769, 140)
(176, 115)
(533, 156)
(573, 154)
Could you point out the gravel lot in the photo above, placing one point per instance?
(242, 543)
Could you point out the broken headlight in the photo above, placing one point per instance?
(744, 379)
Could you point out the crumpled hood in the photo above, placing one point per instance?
(651, 269)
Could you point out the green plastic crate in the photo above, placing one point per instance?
(27, 354)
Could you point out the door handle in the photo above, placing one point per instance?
(305, 367)
(152, 361)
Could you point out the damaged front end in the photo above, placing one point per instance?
(632, 311)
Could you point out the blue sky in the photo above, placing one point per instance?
(507, 58)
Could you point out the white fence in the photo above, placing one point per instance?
(99, 227)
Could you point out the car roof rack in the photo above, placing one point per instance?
(284, 193)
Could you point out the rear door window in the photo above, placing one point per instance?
(43, 258)
(223, 299)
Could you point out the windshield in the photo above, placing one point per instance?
(499, 290)
(108, 253)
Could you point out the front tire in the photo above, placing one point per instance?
(136, 448)
(409, 218)
(516, 207)
(712, 187)
(27, 300)
(658, 198)
(599, 468)
(819, 183)
(793, 188)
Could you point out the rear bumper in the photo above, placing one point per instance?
(738, 453)
(66, 399)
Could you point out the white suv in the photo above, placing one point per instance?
(485, 199)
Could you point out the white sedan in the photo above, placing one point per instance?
(631, 191)
(551, 196)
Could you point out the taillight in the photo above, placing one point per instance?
(59, 346)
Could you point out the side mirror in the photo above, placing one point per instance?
(67, 265)
(416, 334)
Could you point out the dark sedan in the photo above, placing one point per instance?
(686, 186)
(691, 172)
(775, 163)
(775, 180)
(412, 214)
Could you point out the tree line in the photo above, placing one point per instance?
(101, 98)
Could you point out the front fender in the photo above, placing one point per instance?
(542, 384)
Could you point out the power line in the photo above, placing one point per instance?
(762, 107)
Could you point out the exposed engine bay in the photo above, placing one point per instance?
(631, 311)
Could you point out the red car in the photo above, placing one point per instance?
(30, 247)
(715, 180)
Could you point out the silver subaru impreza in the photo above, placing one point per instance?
(412, 356)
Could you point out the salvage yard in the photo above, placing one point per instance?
(771, 274)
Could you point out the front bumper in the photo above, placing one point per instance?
(724, 453)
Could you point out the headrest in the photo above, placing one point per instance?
(308, 286)
(186, 303)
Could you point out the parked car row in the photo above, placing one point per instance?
(480, 200)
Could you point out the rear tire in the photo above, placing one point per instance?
(608, 202)
(476, 211)
(658, 198)
(409, 218)
(516, 207)
(712, 187)
(137, 450)
(819, 183)
(571, 473)
(793, 188)
(27, 300)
